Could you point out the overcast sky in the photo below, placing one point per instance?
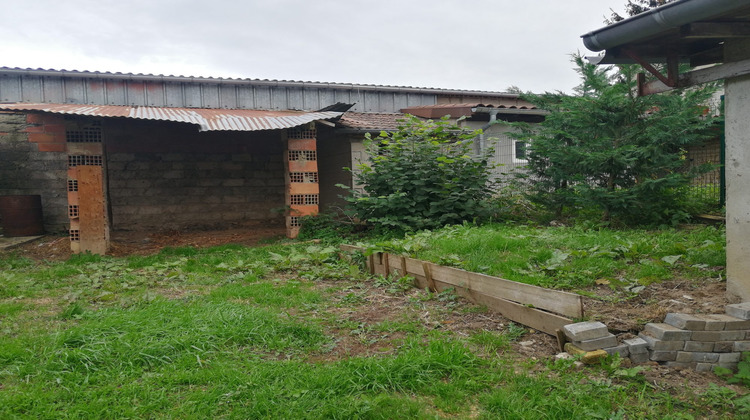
(476, 45)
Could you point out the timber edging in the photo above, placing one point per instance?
(543, 309)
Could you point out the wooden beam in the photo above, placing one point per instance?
(718, 30)
(668, 80)
(495, 293)
(696, 77)
(537, 319)
(565, 303)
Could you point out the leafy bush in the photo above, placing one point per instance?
(422, 176)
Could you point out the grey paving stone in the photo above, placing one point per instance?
(661, 345)
(739, 310)
(730, 358)
(683, 365)
(636, 345)
(582, 331)
(717, 335)
(666, 332)
(700, 345)
(597, 343)
(705, 367)
(685, 321)
(731, 323)
(723, 347)
(622, 350)
(662, 356)
(640, 357)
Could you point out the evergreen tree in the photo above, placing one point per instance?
(636, 7)
(605, 148)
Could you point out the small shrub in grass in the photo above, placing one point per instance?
(325, 226)
(422, 176)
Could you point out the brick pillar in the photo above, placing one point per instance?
(301, 172)
(87, 202)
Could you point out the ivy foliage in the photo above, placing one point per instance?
(424, 175)
(608, 150)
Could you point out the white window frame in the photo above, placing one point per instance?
(515, 151)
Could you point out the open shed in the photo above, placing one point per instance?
(711, 33)
(113, 151)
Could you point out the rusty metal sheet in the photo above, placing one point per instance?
(207, 119)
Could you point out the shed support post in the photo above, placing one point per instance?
(302, 180)
(737, 115)
(87, 198)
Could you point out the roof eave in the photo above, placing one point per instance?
(655, 21)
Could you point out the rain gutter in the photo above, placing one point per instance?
(655, 21)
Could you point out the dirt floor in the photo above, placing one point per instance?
(625, 314)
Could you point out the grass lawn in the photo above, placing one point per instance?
(290, 331)
(570, 258)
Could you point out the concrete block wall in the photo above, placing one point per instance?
(33, 161)
(170, 176)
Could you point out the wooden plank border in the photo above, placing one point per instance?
(519, 302)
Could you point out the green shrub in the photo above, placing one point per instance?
(422, 176)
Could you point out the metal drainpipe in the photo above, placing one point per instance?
(482, 140)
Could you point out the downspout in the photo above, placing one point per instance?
(482, 139)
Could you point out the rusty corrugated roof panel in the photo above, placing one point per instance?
(207, 119)
(370, 120)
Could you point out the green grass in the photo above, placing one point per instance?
(234, 332)
(571, 258)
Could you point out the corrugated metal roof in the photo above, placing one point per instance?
(207, 119)
(228, 80)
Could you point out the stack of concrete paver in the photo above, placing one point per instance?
(698, 341)
(589, 337)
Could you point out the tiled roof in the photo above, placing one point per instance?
(464, 109)
(369, 120)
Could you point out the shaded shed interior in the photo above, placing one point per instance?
(163, 175)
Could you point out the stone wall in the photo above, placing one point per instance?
(33, 161)
(170, 176)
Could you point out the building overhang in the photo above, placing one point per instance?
(205, 119)
(685, 31)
